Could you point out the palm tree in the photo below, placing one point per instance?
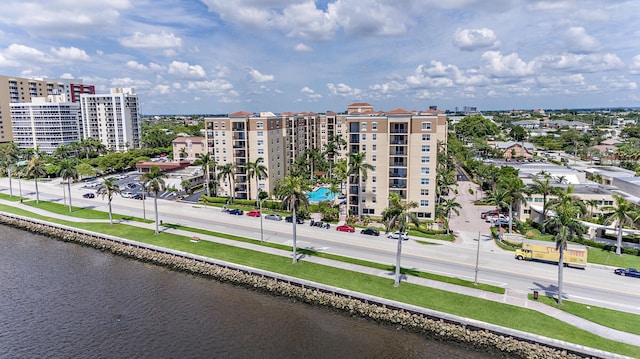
(514, 187)
(313, 156)
(228, 172)
(207, 162)
(335, 145)
(36, 169)
(358, 168)
(567, 227)
(255, 169)
(447, 206)
(153, 181)
(543, 186)
(68, 172)
(592, 204)
(398, 214)
(108, 189)
(9, 152)
(293, 193)
(622, 213)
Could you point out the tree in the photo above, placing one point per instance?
(293, 193)
(445, 207)
(228, 172)
(623, 213)
(255, 169)
(68, 172)
(514, 188)
(592, 204)
(107, 189)
(9, 152)
(207, 163)
(358, 168)
(398, 214)
(314, 156)
(567, 227)
(36, 169)
(153, 181)
(543, 186)
(335, 145)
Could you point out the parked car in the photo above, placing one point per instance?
(345, 228)
(89, 195)
(319, 224)
(489, 213)
(370, 231)
(398, 235)
(299, 220)
(253, 213)
(273, 217)
(127, 194)
(132, 185)
(237, 212)
(137, 196)
(627, 272)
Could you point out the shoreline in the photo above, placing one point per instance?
(438, 326)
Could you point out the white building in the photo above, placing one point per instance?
(46, 122)
(112, 118)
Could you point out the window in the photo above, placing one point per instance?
(425, 159)
(373, 189)
(364, 148)
(424, 192)
(538, 200)
(363, 126)
(374, 126)
(424, 181)
(215, 125)
(373, 179)
(374, 136)
(374, 147)
(426, 137)
(260, 151)
(425, 170)
(222, 124)
(363, 137)
(426, 148)
(260, 134)
(259, 124)
(260, 142)
(426, 126)
(424, 203)
(373, 158)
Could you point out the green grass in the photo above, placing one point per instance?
(449, 302)
(13, 198)
(80, 212)
(601, 256)
(626, 322)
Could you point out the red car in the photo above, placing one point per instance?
(345, 228)
(253, 213)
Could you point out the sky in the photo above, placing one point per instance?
(223, 56)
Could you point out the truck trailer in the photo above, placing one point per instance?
(573, 256)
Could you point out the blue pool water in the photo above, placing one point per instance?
(321, 194)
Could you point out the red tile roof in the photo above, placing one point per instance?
(241, 114)
(399, 111)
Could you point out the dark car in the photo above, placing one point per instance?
(237, 212)
(299, 220)
(370, 231)
(89, 195)
(137, 196)
(627, 272)
(489, 213)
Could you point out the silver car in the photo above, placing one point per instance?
(273, 217)
(398, 235)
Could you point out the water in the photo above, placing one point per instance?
(321, 194)
(62, 300)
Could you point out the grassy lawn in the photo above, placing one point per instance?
(13, 198)
(80, 212)
(449, 302)
(600, 256)
(622, 321)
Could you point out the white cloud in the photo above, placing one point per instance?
(579, 42)
(581, 63)
(302, 48)
(152, 41)
(634, 67)
(186, 71)
(474, 39)
(388, 87)
(256, 76)
(505, 66)
(342, 89)
(134, 65)
(70, 53)
(215, 86)
(25, 53)
(310, 93)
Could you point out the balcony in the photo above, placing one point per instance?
(398, 174)
(399, 130)
(397, 183)
(401, 192)
(240, 153)
(401, 152)
(239, 136)
(240, 162)
(394, 162)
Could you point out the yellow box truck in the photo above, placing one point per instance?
(574, 256)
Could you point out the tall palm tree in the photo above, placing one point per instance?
(358, 168)
(335, 146)
(445, 207)
(153, 181)
(567, 227)
(293, 193)
(9, 152)
(107, 189)
(544, 187)
(515, 188)
(207, 162)
(256, 169)
(622, 213)
(313, 156)
(398, 214)
(68, 172)
(36, 169)
(228, 172)
(592, 204)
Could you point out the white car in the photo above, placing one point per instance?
(127, 194)
(397, 235)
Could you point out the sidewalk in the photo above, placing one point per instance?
(510, 297)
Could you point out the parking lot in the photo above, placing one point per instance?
(130, 187)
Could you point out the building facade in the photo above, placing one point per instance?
(112, 118)
(45, 123)
(188, 148)
(23, 90)
(400, 145)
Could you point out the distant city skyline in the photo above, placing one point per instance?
(221, 56)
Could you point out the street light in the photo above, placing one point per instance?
(260, 209)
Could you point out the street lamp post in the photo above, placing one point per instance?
(260, 209)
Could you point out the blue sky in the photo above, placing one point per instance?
(222, 56)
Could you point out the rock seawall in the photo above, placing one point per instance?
(349, 302)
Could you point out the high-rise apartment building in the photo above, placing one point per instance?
(45, 122)
(23, 90)
(112, 118)
(400, 145)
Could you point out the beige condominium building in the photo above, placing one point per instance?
(112, 118)
(24, 90)
(401, 145)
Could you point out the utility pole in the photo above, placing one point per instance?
(475, 282)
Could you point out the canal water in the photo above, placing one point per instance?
(62, 300)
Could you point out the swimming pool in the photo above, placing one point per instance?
(321, 194)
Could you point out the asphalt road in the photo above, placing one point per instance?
(596, 285)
